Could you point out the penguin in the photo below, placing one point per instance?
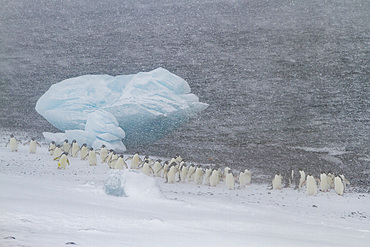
(230, 180)
(291, 179)
(171, 174)
(331, 180)
(191, 172)
(146, 168)
(113, 160)
(74, 149)
(33, 145)
(110, 153)
(245, 178)
(66, 146)
(183, 173)
(276, 182)
(13, 143)
(52, 147)
(62, 160)
(146, 158)
(345, 181)
(215, 178)
(57, 152)
(103, 154)
(324, 182)
(135, 161)
(84, 151)
(92, 157)
(181, 164)
(166, 166)
(226, 171)
(311, 185)
(174, 161)
(157, 168)
(207, 176)
(302, 179)
(178, 158)
(120, 163)
(198, 176)
(338, 186)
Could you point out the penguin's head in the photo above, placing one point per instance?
(111, 150)
(65, 153)
(91, 149)
(52, 142)
(103, 146)
(74, 141)
(84, 145)
(121, 156)
(11, 136)
(33, 138)
(66, 141)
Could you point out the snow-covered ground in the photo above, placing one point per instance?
(41, 205)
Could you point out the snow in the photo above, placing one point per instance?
(44, 206)
(147, 106)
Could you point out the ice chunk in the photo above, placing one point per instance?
(131, 183)
(112, 185)
(147, 105)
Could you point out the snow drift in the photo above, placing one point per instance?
(147, 106)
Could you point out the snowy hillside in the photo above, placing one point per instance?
(44, 206)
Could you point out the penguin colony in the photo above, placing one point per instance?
(176, 170)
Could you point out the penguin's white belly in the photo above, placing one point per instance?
(92, 159)
(13, 145)
(311, 185)
(276, 182)
(83, 153)
(214, 179)
(57, 152)
(33, 147)
(62, 164)
(75, 149)
(229, 181)
(119, 164)
(103, 155)
(338, 186)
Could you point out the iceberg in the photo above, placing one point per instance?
(119, 110)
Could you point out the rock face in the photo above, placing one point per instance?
(146, 106)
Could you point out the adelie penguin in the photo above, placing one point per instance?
(83, 151)
(198, 176)
(75, 148)
(157, 168)
(66, 146)
(103, 154)
(183, 173)
(120, 164)
(230, 180)
(245, 178)
(33, 145)
(52, 147)
(13, 143)
(57, 152)
(135, 161)
(62, 160)
(92, 157)
(215, 178)
(146, 168)
(171, 174)
(276, 182)
(311, 185)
